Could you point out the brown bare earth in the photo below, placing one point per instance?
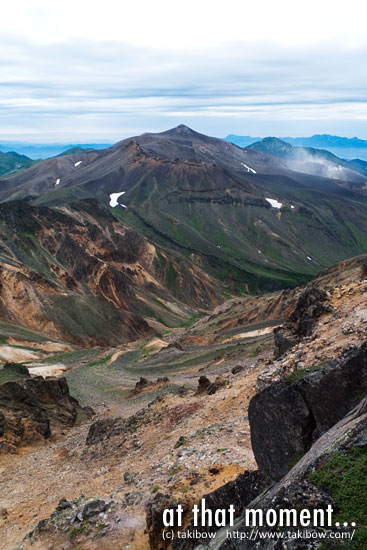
(171, 438)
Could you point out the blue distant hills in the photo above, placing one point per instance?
(43, 151)
(348, 148)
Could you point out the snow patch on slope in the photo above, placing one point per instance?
(274, 203)
(114, 199)
(249, 169)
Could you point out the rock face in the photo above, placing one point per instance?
(238, 492)
(297, 489)
(32, 409)
(286, 418)
(310, 306)
(65, 272)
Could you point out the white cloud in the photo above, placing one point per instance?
(78, 70)
(192, 24)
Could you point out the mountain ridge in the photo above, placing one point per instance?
(317, 140)
(329, 164)
(12, 162)
(213, 202)
(43, 151)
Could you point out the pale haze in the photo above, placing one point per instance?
(78, 71)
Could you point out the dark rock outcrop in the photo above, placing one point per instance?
(296, 490)
(154, 519)
(219, 382)
(287, 418)
(206, 386)
(311, 304)
(238, 492)
(143, 383)
(203, 384)
(105, 430)
(238, 368)
(33, 408)
(283, 341)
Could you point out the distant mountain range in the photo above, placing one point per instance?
(43, 151)
(348, 148)
(341, 146)
(318, 162)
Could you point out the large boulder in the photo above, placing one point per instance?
(33, 408)
(287, 418)
(300, 489)
(346, 442)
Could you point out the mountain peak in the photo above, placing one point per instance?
(183, 131)
(272, 145)
(183, 127)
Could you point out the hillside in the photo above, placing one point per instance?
(78, 275)
(346, 148)
(318, 141)
(75, 151)
(11, 162)
(318, 162)
(116, 462)
(323, 141)
(242, 216)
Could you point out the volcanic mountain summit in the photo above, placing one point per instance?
(241, 214)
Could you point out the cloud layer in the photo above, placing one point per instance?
(78, 86)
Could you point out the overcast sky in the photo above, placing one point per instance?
(82, 71)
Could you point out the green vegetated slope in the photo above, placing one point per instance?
(274, 248)
(78, 274)
(205, 199)
(12, 162)
(343, 475)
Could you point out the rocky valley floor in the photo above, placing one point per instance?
(181, 401)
